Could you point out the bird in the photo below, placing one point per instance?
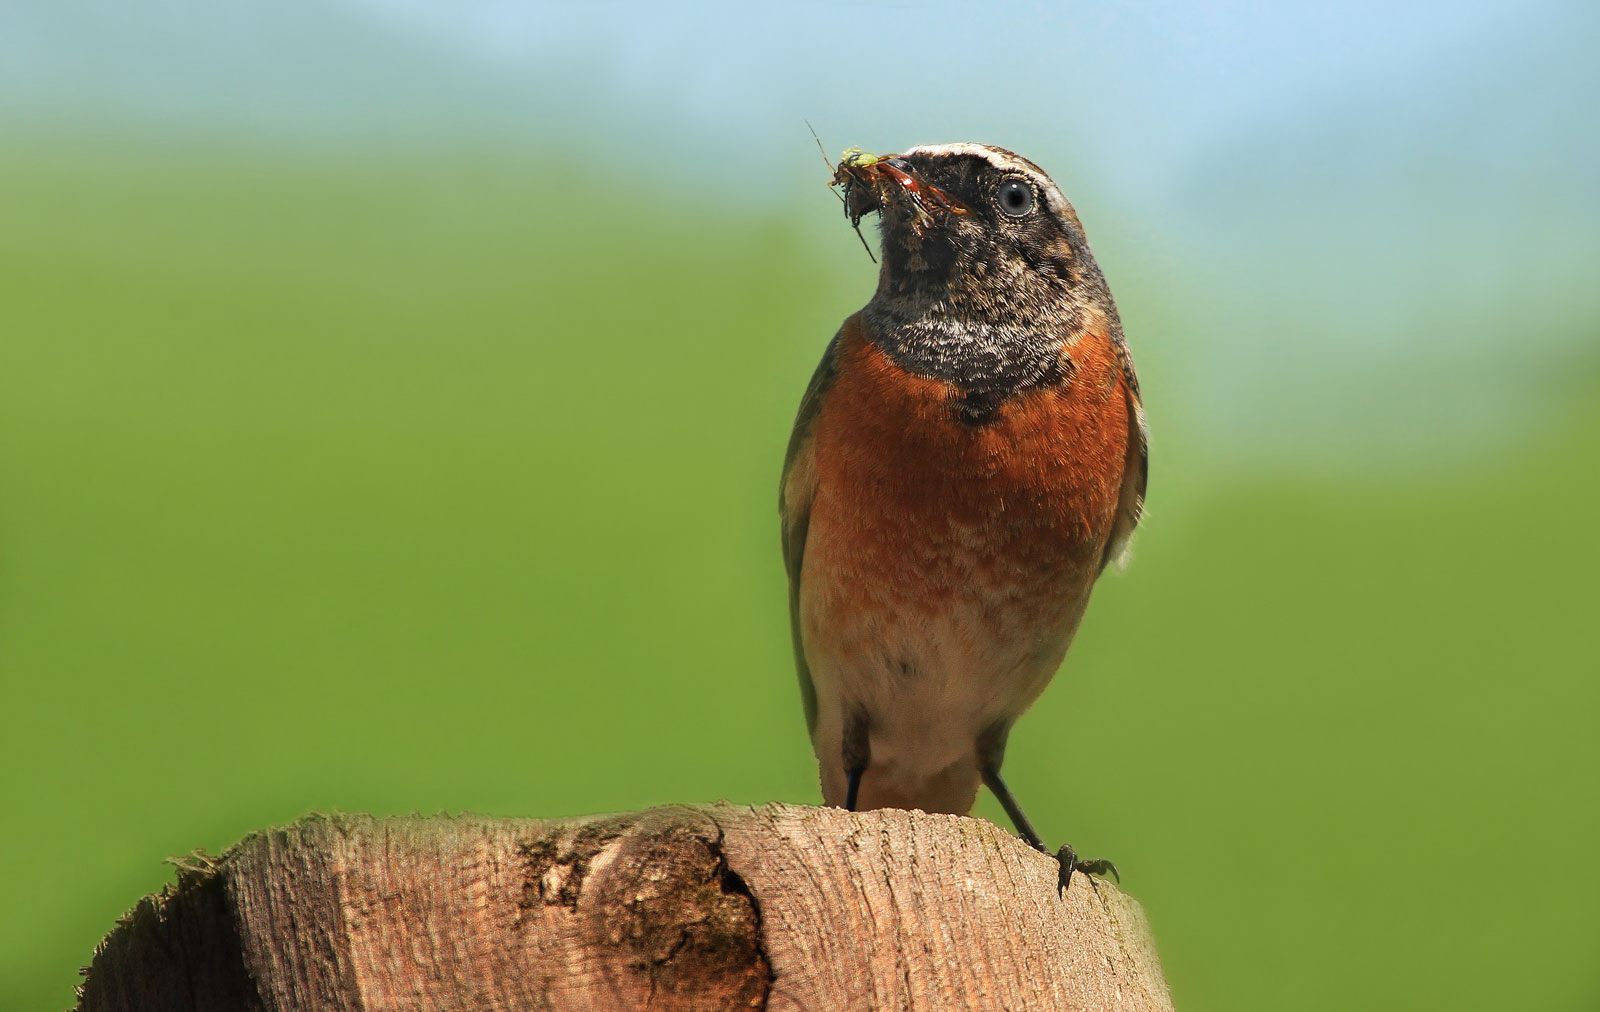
(969, 456)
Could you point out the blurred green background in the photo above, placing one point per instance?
(392, 396)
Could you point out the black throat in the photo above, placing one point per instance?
(989, 363)
(978, 300)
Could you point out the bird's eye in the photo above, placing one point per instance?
(1015, 197)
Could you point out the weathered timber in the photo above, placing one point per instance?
(705, 908)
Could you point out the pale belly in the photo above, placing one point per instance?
(943, 632)
(947, 566)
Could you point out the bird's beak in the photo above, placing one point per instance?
(871, 182)
(911, 187)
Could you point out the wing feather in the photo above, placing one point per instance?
(1136, 467)
(795, 493)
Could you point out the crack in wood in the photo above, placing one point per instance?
(672, 910)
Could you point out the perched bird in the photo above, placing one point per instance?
(968, 458)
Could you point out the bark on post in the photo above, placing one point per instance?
(718, 907)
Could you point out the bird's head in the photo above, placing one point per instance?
(973, 230)
(986, 278)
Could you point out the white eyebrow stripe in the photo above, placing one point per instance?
(1004, 160)
(994, 156)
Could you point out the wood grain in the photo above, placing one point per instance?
(720, 907)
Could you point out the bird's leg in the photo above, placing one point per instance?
(991, 779)
(853, 787)
(856, 750)
(1066, 856)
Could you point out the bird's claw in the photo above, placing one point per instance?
(1070, 862)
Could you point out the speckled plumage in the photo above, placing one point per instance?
(969, 456)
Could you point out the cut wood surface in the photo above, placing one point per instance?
(703, 908)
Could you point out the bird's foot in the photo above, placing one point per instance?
(1070, 862)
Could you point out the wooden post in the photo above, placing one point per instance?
(704, 908)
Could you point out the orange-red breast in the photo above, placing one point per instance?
(968, 458)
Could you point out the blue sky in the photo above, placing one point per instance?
(1342, 199)
(1140, 91)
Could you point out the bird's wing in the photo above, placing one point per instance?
(1136, 468)
(795, 493)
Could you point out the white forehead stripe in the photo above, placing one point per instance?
(994, 156)
(1003, 160)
